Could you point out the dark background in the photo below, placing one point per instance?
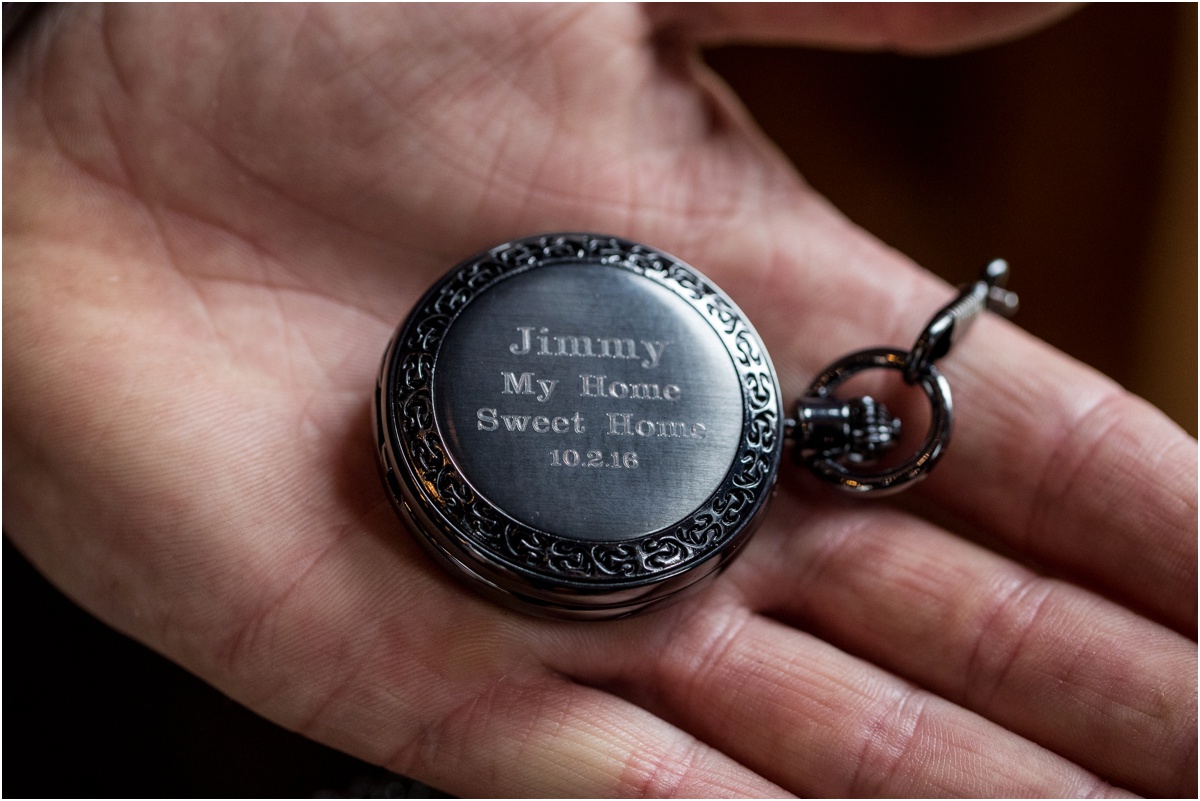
(1071, 153)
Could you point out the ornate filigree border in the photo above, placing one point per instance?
(444, 490)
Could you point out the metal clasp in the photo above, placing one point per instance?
(834, 437)
(952, 321)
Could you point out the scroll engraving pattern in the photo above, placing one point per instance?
(547, 554)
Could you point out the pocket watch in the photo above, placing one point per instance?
(586, 427)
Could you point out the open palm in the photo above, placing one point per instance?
(214, 219)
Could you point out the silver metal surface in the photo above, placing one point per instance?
(584, 426)
(859, 429)
(584, 400)
(847, 473)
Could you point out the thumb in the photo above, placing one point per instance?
(905, 27)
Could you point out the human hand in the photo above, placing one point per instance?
(214, 220)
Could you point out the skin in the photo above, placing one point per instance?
(215, 216)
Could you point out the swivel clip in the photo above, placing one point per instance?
(952, 321)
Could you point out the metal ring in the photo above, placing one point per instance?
(938, 436)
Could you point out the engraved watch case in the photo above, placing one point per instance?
(579, 425)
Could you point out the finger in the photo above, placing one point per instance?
(1081, 676)
(916, 27)
(1049, 459)
(553, 738)
(1070, 470)
(814, 719)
